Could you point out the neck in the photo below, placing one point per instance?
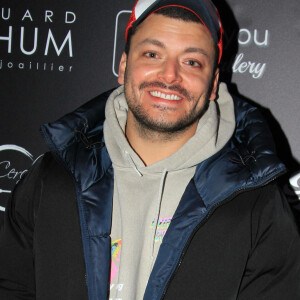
(152, 146)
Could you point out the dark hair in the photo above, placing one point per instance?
(175, 13)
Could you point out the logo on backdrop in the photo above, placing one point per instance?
(243, 63)
(28, 47)
(119, 32)
(14, 164)
(293, 189)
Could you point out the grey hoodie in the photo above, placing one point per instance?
(146, 197)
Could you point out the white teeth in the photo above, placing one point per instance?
(164, 96)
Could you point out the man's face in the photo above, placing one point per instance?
(168, 74)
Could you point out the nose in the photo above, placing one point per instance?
(170, 72)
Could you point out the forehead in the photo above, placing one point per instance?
(174, 32)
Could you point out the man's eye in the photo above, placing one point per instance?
(193, 63)
(150, 54)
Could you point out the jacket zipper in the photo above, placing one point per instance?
(214, 207)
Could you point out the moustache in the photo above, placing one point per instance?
(158, 84)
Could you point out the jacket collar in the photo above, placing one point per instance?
(246, 161)
(79, 135)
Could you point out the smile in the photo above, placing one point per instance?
(165, 96)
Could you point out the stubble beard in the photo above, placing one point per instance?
(159, 128)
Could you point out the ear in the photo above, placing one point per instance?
(122, 67)
(214, 90)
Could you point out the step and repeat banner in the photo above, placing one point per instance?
(56, 55)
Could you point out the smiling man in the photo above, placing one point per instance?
(168, 80)
(164, 188)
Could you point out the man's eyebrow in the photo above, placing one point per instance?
(152, 42)
(162, 45)
(196, 50)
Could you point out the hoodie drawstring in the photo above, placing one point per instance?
(157, 213)
(131, 162)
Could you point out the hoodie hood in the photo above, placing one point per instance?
(214, 129)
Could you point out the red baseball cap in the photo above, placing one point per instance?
(203, 9)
